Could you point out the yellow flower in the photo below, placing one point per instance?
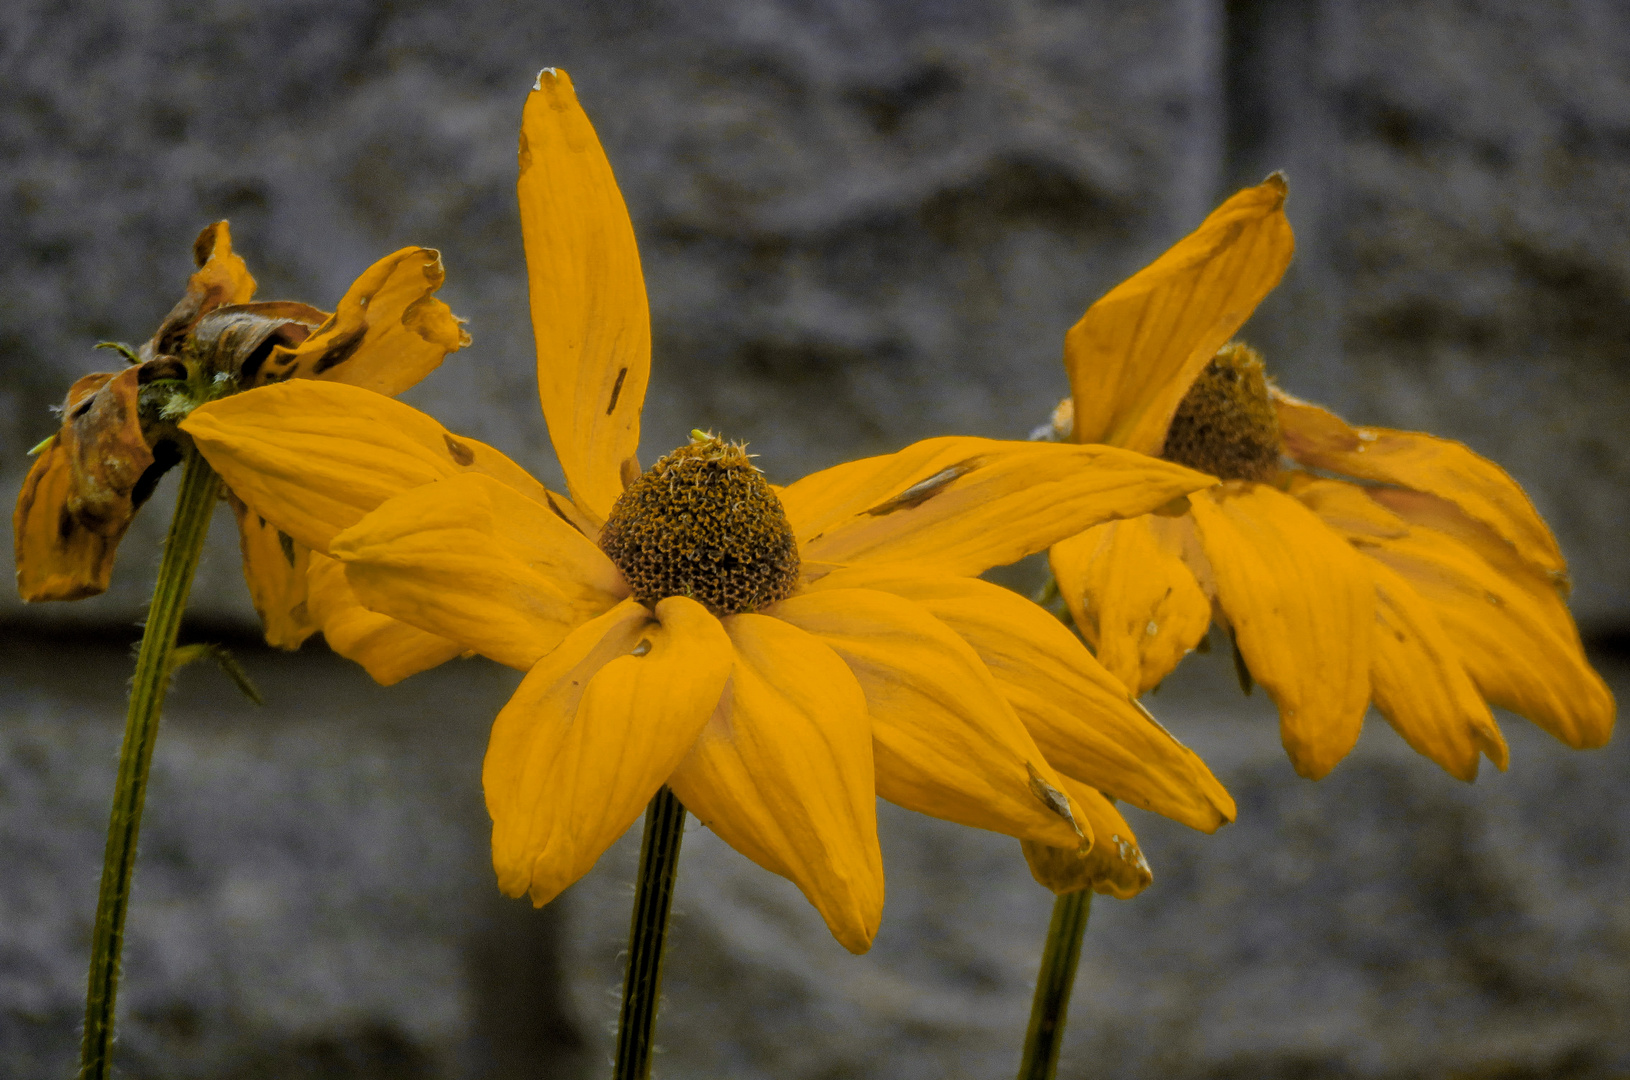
(118, 434)
(1351, 564)
(779, 656)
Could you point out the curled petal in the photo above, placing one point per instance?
(389, 332)
(1134, 353)
(313, 457)
(589, 313)
(222, 278)
(274, 568)
(475, 561)
(1133, 596)
(782, 772)
(387, 649)
(1302, 606)
(1114, 865)
(962, 505)
(946, 741)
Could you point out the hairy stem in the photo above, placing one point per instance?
(647, 930)
(1050, 1007)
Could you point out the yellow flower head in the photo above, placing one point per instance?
(1351, 564)
(779, 656)
(119, 431)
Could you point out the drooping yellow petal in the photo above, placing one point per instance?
(313, 457)
(1302, 606)
(82, 492)
(274, 568)
(1084, 720)
(962, 505)
(589, 312)
(783, 774)
(1114, 865)
(1347, 508)
(1320, 439)
(475, 561)
(389, 332)
(946, 741)
(387, 649)
(1506, 640)
(1421, 687)
(1134, 353)
(1132, 595)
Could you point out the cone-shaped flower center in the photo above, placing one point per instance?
(1226, 424)
(703, 523)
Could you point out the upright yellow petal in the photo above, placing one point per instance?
(1134, 353)
(387, 649)
(475, 561)
(1084, 720)
(945, 740)
(222, 276)
(274, 567)
(1133, 596)
(1320, 439)
(1302, 605)
(962, 505)
(783, 774)
(589, 313)
(389, 332)
(313, 457)
(1114, 865)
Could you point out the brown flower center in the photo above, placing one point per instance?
(1226, 424)
(703, 523)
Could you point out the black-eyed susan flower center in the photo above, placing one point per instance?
(703, 523)
(1226, 424)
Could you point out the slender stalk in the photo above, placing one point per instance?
(647, 929)
(195, 503)
(1050, 1007)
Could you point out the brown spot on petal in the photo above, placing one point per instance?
(923, 490)
(460, 453)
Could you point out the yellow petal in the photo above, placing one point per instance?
(390, 330)
(387, 649)
(1084, 720)
(589, 312)
(1302, 606)
(83, 491)
(274, 568)
(962, 505)
(1319, 439)
(1134, 353)
(584, 768)
(313, 457)
(1132, 595)
(475, 561)
(783, 774)
(945, 740)
(1421, 687)
(1114, 865)
(1347, 508)
(1507, 642)
(222, 276)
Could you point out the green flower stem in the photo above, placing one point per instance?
(653, 896)
(1050, 1007)
(200, 488)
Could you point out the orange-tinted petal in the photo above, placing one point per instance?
(783, 774)
(274, 568)
(962, 505)
(589, 312)
(1302, 606)
(1507, 641)
(594, 730)
(475, 561)
(387, 649)
(1114, 865)
(1319, 439)
(1083, 718)
(313, 457)
(83, 491)
(389, 332)
(945, 740)
(1347, 508)
(1134, 353)
(1132, 595)
(221, 279)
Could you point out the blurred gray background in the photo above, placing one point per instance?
(862, 222)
